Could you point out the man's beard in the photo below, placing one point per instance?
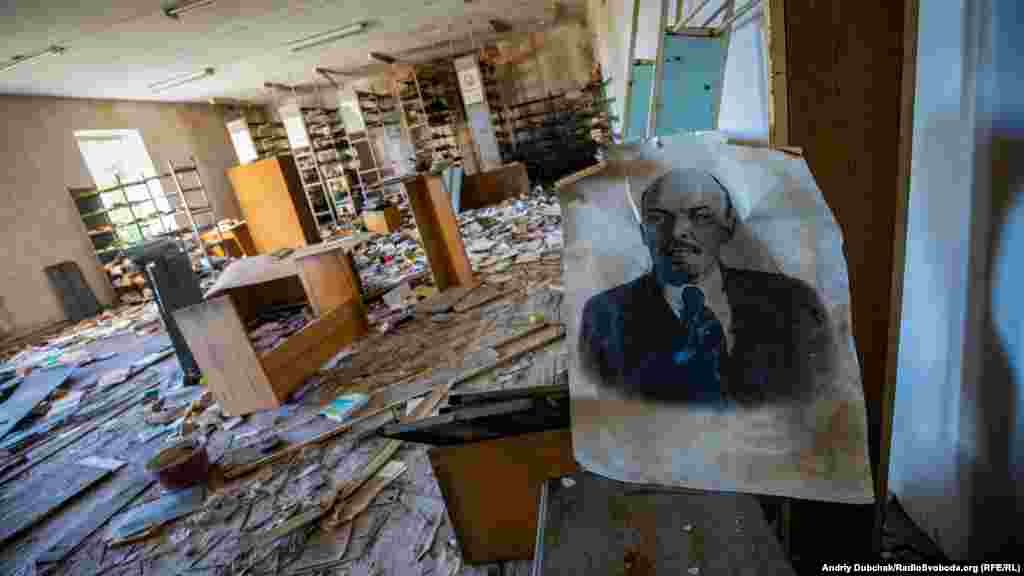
(682, 262)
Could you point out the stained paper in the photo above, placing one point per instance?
(708, 311)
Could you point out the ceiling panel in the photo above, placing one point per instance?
(117, 48)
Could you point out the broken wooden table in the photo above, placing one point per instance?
(244, 381)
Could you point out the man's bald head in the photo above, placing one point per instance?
(687, 216)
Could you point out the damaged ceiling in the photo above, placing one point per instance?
(120, 48)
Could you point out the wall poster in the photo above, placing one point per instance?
(708, 312)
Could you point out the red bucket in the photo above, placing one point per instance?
(180, 465)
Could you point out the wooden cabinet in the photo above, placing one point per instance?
(270, 194)
(383, 221)
(243, 380)
(439, 231)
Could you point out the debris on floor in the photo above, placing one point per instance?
(305, 488)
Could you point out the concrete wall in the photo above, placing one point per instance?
(39, 224)
(956, 445)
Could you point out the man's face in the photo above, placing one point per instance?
(684, 226)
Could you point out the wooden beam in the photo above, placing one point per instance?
(774, 30)
(899, 249)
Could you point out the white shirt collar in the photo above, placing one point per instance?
(713, 287)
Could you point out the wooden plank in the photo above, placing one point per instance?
(774, 22)
(445, 301)
(439, 231)
(460, 270)
(596, 526)
(302, 354)
(95, 517)
(488, 421)
(383, 221)
(844, 72)
(260, 269)
(491, 488)
(485, 295)
(218, 340)
(329, 280)
(371, 410)
(251, 300)
(360, 499)
(36, 386)
(899, 246)
(472, 398)
(26, 513)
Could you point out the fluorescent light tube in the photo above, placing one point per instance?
(23, 58)
(179, 80)
(176, 11)
(325, 37)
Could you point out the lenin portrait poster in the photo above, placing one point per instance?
(709, 324)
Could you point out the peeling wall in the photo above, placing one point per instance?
(550, 61)
(39, 223)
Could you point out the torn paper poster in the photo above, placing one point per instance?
(709, 316)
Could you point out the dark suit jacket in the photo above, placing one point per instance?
(782, 342)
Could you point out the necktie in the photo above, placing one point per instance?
(702, 351)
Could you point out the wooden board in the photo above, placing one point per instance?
(329, 279)
(844, 80)
(488, 421)
(599, 527)
(302, 354)
(439, 231)
(482, 296)
(218, 340)
(446, 301)
(260, 269)
(383, 221)
(36, 386)
(22, 513)
(270, 195)
(251, 300)
(888, 396)
(491, 490)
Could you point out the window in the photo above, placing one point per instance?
(119, 156)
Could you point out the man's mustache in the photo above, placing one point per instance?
(683, 248)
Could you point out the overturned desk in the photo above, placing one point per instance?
(244, 380)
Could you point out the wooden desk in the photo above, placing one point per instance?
(243, 381)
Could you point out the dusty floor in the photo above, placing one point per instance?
(382, 540)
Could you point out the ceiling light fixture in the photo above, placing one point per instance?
(179, 80)
(183, 7)
(325, 37)
(22, 58)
